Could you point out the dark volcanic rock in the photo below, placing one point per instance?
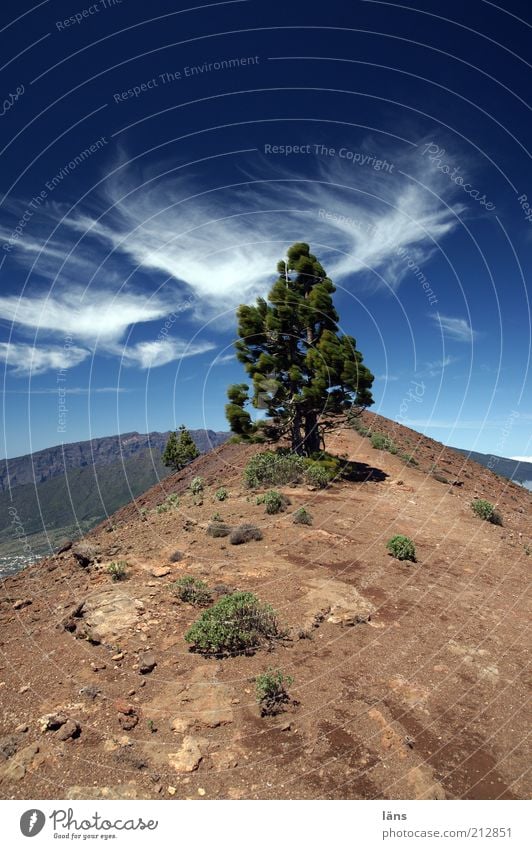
(85, 553)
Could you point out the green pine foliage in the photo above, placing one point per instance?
(303, 370)
(180, 449)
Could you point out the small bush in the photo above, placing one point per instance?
(409, 459)
(271, 691)
(383, 443)
(221, 494)
(318, 476)
(218, 529)
(358, 425)
(196, 485)
(274, 501)
(402, 548)
(216, 517)
(485, 510)
(528, 549)
(175, 556)
(173, 499)
(302, 517)
(117, 570)
(193, 591)
(245, 533)
(270, 468)
(235, 623)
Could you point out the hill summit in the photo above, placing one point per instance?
(398, 678)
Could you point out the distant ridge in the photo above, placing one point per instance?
(515, 470)
(51, 462)
(60, 493)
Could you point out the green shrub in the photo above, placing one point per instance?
(218, 529)
(271, 691)
(221, 494)
(274, 501)
(196, 485)
(383, 443)
(192, 590)
(270, 468)
(409, 459)
(302, 517)
(528, 549)
(170, 502)
(245, 533)
(318, 476)
(485, 510)
(357, 424)
(236, 623)
(402, 548)
(216, 517)
(117, 570)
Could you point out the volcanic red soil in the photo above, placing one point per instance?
(410, 679)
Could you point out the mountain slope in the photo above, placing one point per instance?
(409, 678)
(52, 462)
(101, 476)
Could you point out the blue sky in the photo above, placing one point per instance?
(158, 161)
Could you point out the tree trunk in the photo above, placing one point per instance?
(295, 433)
(311, 440)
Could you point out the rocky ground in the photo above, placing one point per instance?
(410, 679)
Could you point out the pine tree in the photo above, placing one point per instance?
(303, 370)
(180, 449)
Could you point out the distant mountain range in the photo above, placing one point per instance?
(514, 470)
(62, 492)
(52, 462)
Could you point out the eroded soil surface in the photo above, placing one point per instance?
(410, 679)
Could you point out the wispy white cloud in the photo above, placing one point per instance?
(90, 316)
(91, 321)
(74, 390)
(224, 244)
(213, 250)
(455, 328)
(159, 352)
(224, 359)
(28, 359)
(522, 459)
(435, 367)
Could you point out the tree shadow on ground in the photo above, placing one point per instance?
(361, 472)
